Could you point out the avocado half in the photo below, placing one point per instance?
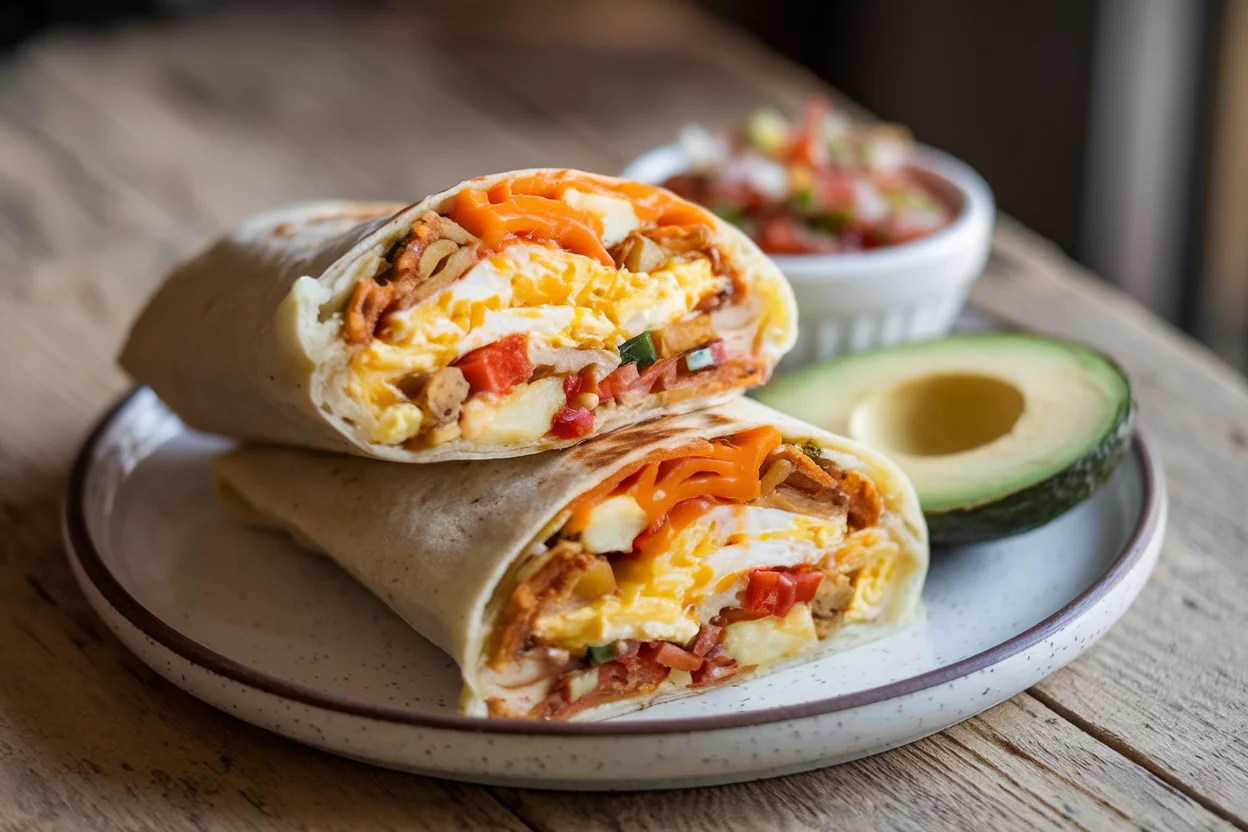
(999, 432)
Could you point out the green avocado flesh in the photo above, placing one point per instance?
(999, 432)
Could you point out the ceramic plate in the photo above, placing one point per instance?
(263, 630)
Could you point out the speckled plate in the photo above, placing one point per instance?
(251, 624)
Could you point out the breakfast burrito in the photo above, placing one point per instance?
(511, 314)
(652, 563)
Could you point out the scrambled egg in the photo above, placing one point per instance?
(666, 597)
(871, 588)
(559, 298)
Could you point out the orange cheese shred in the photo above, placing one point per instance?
(675, 492)
(532, 208)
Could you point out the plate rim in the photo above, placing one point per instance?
(81, 547)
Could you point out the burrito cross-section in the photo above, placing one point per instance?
(510, 314)
(653, 563)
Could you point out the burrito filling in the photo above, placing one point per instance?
(692, 568)
(537, 306)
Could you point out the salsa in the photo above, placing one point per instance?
(818, 185)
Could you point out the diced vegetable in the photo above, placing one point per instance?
(767, 640)
(596, 581)
(618, 381)
(807, 585)
(582, 683)
(660, 376)
(588, 401)
(770, 593)
(807, 186)
(613, 525)
(641, 254)
(639, 350)
(683, 336)
(832, 222)
(774, 593)
(709, 356)
(498, 367)
(813, 451)
(767, 130)
(680, 678)
(572, 423)
(572, 385)
(677, 658)
(526, 414)
(599, 655)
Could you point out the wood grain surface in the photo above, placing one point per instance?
(124, 150)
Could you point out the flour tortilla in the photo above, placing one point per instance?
(438, 542)
(243, 340)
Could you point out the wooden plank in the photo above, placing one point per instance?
(111, 168)
(83, 744)
(365, 113)
(1018, 766)
(1223, 316)
(1150, 713)
(1167, 686)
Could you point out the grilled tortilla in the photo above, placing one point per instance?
(510, 314)
(653, 563)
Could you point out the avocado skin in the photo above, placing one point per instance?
(1037, 504)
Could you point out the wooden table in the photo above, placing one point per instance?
(122, 151)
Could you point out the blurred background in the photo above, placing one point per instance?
(1118, 129)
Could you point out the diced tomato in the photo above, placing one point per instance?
(621, 379)
(498, 367)
(708, 637)
(658, 376)
(718, 352)
(808, 146)
(807, 585)
(677, 658)
(834, 191)
(770, 593)
(572, 385)
(782, 235)
(572, 422)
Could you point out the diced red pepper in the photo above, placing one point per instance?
(572, 422)
(677, 658)
(572, 385)
(619, 380)
(498, 367)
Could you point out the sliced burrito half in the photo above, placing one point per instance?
(653, 563)
(510, 314)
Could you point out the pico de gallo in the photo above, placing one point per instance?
(819, 185)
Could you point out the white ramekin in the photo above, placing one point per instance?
(858, 300)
